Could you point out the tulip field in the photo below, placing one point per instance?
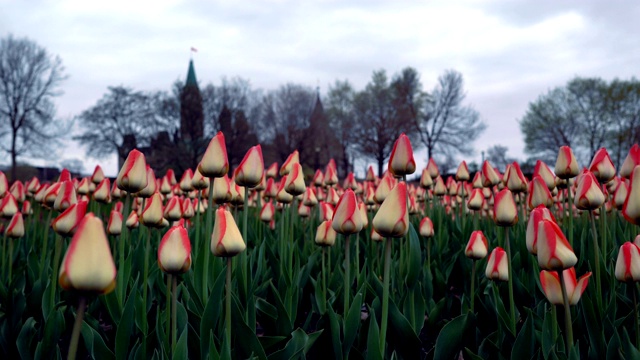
(285, 262)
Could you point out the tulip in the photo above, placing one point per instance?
(293, 158)
(309, 198)
(226, 240)
(628, 263)
(67, 222)
(152, 214)
(631, 161)
(198, 181)
(33, 187)
(318, 178)
(174, 251)
(64, 175)
(371, 175)
(362, 208)
(330, 176)
(66, 196)
(98, 175)
(133, 174)
(132, 220)
(173, 210)
(325, 234)
(382, 191)
(542, 170)
(515, 180)
(425, 179)
(350, 182)
(538, 193)
(589, 196)
(282, 196)
(477, 247)
(440, 188)
(116, 193)
(566, 164)
(88, 265)
(537, 215)
(504, 208)
(476, 200)
(346, 218)
(294, 184)
(272, 171)
(222, 190)
(426, 227)
(15, 228)
(186, 182)
(462, 174)
(267, 213)
(554, 251)
(392, 219)
(489, 175)
(26, 208)
(432, 167)
(497, 267)
(476, 183)
(83, 186)
(114, 226)
(631, 206)
(251, 169)
(401, 162)
(326, 211)
(550, 282)
(304, 211)
(8, 206)
(214, 162)
(102, 193)
(4, 184)
(164, 185)
(602, 167)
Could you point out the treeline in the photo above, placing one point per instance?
(345, 124)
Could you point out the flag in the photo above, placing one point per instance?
(194, 49)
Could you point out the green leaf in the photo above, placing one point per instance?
(336, 342)
(181, 352)
(373, 338)
(52, 330)
(294, 348)
(124, 331)
(630, 350)
(95, 344)
(548, 340)
(244, 335)
(451, 338)
(471, 355)
(352, 324)
(321, 301)
(110, 301)
(414, 256)
(594, 326)
(25, 339)
(211, 313)
(525, 344)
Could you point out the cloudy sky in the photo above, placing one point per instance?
(509, 52)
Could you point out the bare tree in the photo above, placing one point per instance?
(588, 100)
(340, 112)
(623, 105)
(29, 80)
(497, 156)
(447, 125)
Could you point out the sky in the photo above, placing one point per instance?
(509, 52)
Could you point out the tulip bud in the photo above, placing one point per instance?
(504, 209)
(392, 219)
(330, 176)
(318, 178)
(98, 175)
(26, 208)
(478, 246)
(554, 251)
(350, 182)
(32, 188)
(382, 191)
(214, 162)
(268, 212)
(566, 164)
(497, 266)
(67, 222)
(462, 174)
(133, 174)
(346, 218)
(272, 171)
(66, 196)
(489, 175)
(83, 186)
(251, 169)
(226, 240)
(293, 158)
(628, 263)
(4, 184)
(102, 193)
(282, 196)
(64, 175)
(198, 181)
(514, 178)
(538, 193)
(588, 194)
(88, 264)
(375, 236)
(440, 188)
(116, 193)
(426, 227)
(433, 169)
(371, 175)
(362, 208)
(303, 210)
(550, 282)
(174, 251)
(173, 210)
(8, 206)
(186, 182)
(476, 200)
(401, 161)
(326, 211)
(17, 190)
(631, 161)
(114, 227)
(537, 215)
(309, 198)
(631, 207)
(16, 226)
(325, 234)
(222, 190)
(602, 167)
(152, 214)
(164, 185)
(425, 179)
(620, 195)
(132, 220)
(295, 180)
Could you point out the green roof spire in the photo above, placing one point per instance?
(191, 75)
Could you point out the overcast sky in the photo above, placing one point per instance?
(509, 52)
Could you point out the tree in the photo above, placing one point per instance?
(382, 113)
(340, 114)
(497, 156)
(447, 125)
(123, 119)
(623, 105)
(29, 81)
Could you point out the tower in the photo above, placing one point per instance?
(191, 112)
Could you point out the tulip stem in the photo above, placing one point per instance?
(496, 295)
(567, 315)
(596, 250)
(145, 276)
(122, 287)
(4, 255)
(635, 314)
(45, 243)
(570, 212)
(10, 258)
(473, 282)
(198, 216)
(357, 261)
(555, 322)
(246, 270)
(228, 305)
(168, 302)
(512, 307)
(347, 277)
(54, 275)
(324, 278)
(75, 335)
(463, 213)
(429, 253)
(385, 295)
(174, 314)
(207, 250)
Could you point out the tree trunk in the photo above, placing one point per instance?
(14, 170)
(380, 165)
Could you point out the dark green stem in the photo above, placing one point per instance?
(168, 302)
(228, 305)
(54, 276)
(145, 277)
(347, 277)
(473, 282)
(596, 250)
(207, 244)
(174, 314)
(570, 212)
(512, 307)
(77, 326)
(385, 296)
(568, 328)
(122, 287)
(635, 314)
(45, 242)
